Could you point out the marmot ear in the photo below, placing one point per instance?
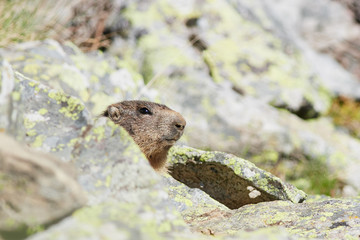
(113, 113)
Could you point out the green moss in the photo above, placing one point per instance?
(28, 123)
(133, 68)
(94, 216)
(31, 69)
(100, 132)
(72, 142)
(84, 95)
(43, 111)
(349, 237)
(73, 105)
(31, 133)
(99, 68)
(207, 156)
(160, 57)
(35, 229)
(38, 141)
(94, 79)
(33, 84)
(108, 181)
(268, 157)
(211, 63)
(101, 101)
(89, 215)
(15, 96)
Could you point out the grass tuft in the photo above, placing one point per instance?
(346, 113)
(22, 20)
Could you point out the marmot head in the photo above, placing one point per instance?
(154, 127)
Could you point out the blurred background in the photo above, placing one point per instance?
(275, 82)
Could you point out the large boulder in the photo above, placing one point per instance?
(36, 189)
(96, 79)
(328, 219)
(212, 171)
(111, 168)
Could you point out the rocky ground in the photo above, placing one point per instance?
(250, 85)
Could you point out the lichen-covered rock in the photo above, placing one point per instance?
(230, 180)
(315, 26)
(45, 118)
(35, 189)
(110, 165)
(320, 217)
(96, 79)
(329, 219)
(194, 204)
(119, 220)
(251, 60)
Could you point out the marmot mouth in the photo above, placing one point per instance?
(171, 140)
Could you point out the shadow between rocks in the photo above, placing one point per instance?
(220, 182)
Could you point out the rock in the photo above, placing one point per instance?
(315, 26)
(329, 219)
(246, 127)
(36, 190)
(118, 220)
(260, 67)
(112, 169)
(96, 79)
(213, 171)
(108, 161)
(46, 119)
(194, 204)
(317, 217)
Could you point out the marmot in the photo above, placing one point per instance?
(154, 127)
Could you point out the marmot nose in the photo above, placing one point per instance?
(179, 123)
(179, 126)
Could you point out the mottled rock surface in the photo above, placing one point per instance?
(327, 34)
(329, 219)
(213, 171)
(35, 189)
(111, 168)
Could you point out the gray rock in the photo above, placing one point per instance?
(112, 169)
(36, 190)
(198, 209)
(96, 79)
(261, 67)
(44, 118)
(315, 28)
(329, 219)
(228, 179)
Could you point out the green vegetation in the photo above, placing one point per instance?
(346, 113)
(308, 174)
(22, 20)
(313, 177)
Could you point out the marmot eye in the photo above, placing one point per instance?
(144, 111)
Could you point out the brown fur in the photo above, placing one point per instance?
(154, 127)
